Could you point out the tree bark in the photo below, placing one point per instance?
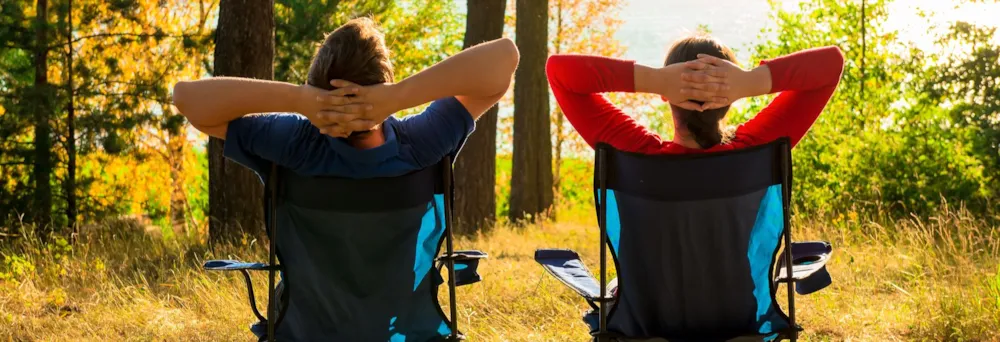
(70, 127)
(244, 47)
(177, 145)
(475, 168)
(531, 175)
(42, 170)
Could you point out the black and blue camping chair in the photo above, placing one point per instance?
(694, 239)
(357, 258)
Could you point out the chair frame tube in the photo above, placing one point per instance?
(450, 260)
(272, 252)
(602, 224)
(786, 186)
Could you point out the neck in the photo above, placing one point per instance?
(685, 140)
(681, 135)
(370, 140)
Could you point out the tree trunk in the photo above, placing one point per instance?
(177, 145)
(475, 169)
(244, 47)
(557, 43)
(42, 171)
(531, 176)
(70, 127)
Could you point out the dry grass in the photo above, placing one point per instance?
(935, 280)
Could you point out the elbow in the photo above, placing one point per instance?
(512, 56)
(181, 96)
(837, 59)
(553, 66)
(509, 62)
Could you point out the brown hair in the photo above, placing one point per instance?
(354, 52)
(705, 127)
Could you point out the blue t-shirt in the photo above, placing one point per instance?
(290, 140)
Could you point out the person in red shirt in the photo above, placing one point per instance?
(700, 80)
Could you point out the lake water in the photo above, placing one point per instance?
(649, 26)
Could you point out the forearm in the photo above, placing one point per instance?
(654, 80)
(217, 101)
(760, 82)
(481, 71)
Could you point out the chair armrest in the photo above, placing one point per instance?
(244, 268)
(567, 267)
(235, 265)
(809, 272)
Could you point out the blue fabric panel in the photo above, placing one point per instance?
(682, 267)
(566, 266)
(350, 273)
(443, 329)
(431, 228)
(259, 329)
(233, 265)
(593, 320)
(613, 225)
(764, 239)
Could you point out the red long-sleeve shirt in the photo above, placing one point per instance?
(805, 79)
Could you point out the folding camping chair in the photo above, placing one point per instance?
(694, 239)
(357, 258)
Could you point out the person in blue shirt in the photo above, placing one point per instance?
(340, 122)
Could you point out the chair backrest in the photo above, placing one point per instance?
(358, 255)
(694, 240)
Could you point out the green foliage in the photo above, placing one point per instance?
(197, 192)
(893, 148)
(575, 193)
(993, 288)
(15, 267)
(126, 54)
(966, 83)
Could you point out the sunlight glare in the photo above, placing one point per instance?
(905, 17)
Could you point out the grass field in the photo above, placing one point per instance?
(934, 280)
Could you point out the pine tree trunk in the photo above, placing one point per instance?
(244, 47)
(531, 176)
(42, 171)
(70, 127)
(177, 145)
(475, 168)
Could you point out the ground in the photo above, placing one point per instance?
(935, 280)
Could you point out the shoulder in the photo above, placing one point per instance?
(445, 114)
(267, 129)
(446, 106)
(744, 136)
(265, 120)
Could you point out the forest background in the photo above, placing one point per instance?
(105, 188)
